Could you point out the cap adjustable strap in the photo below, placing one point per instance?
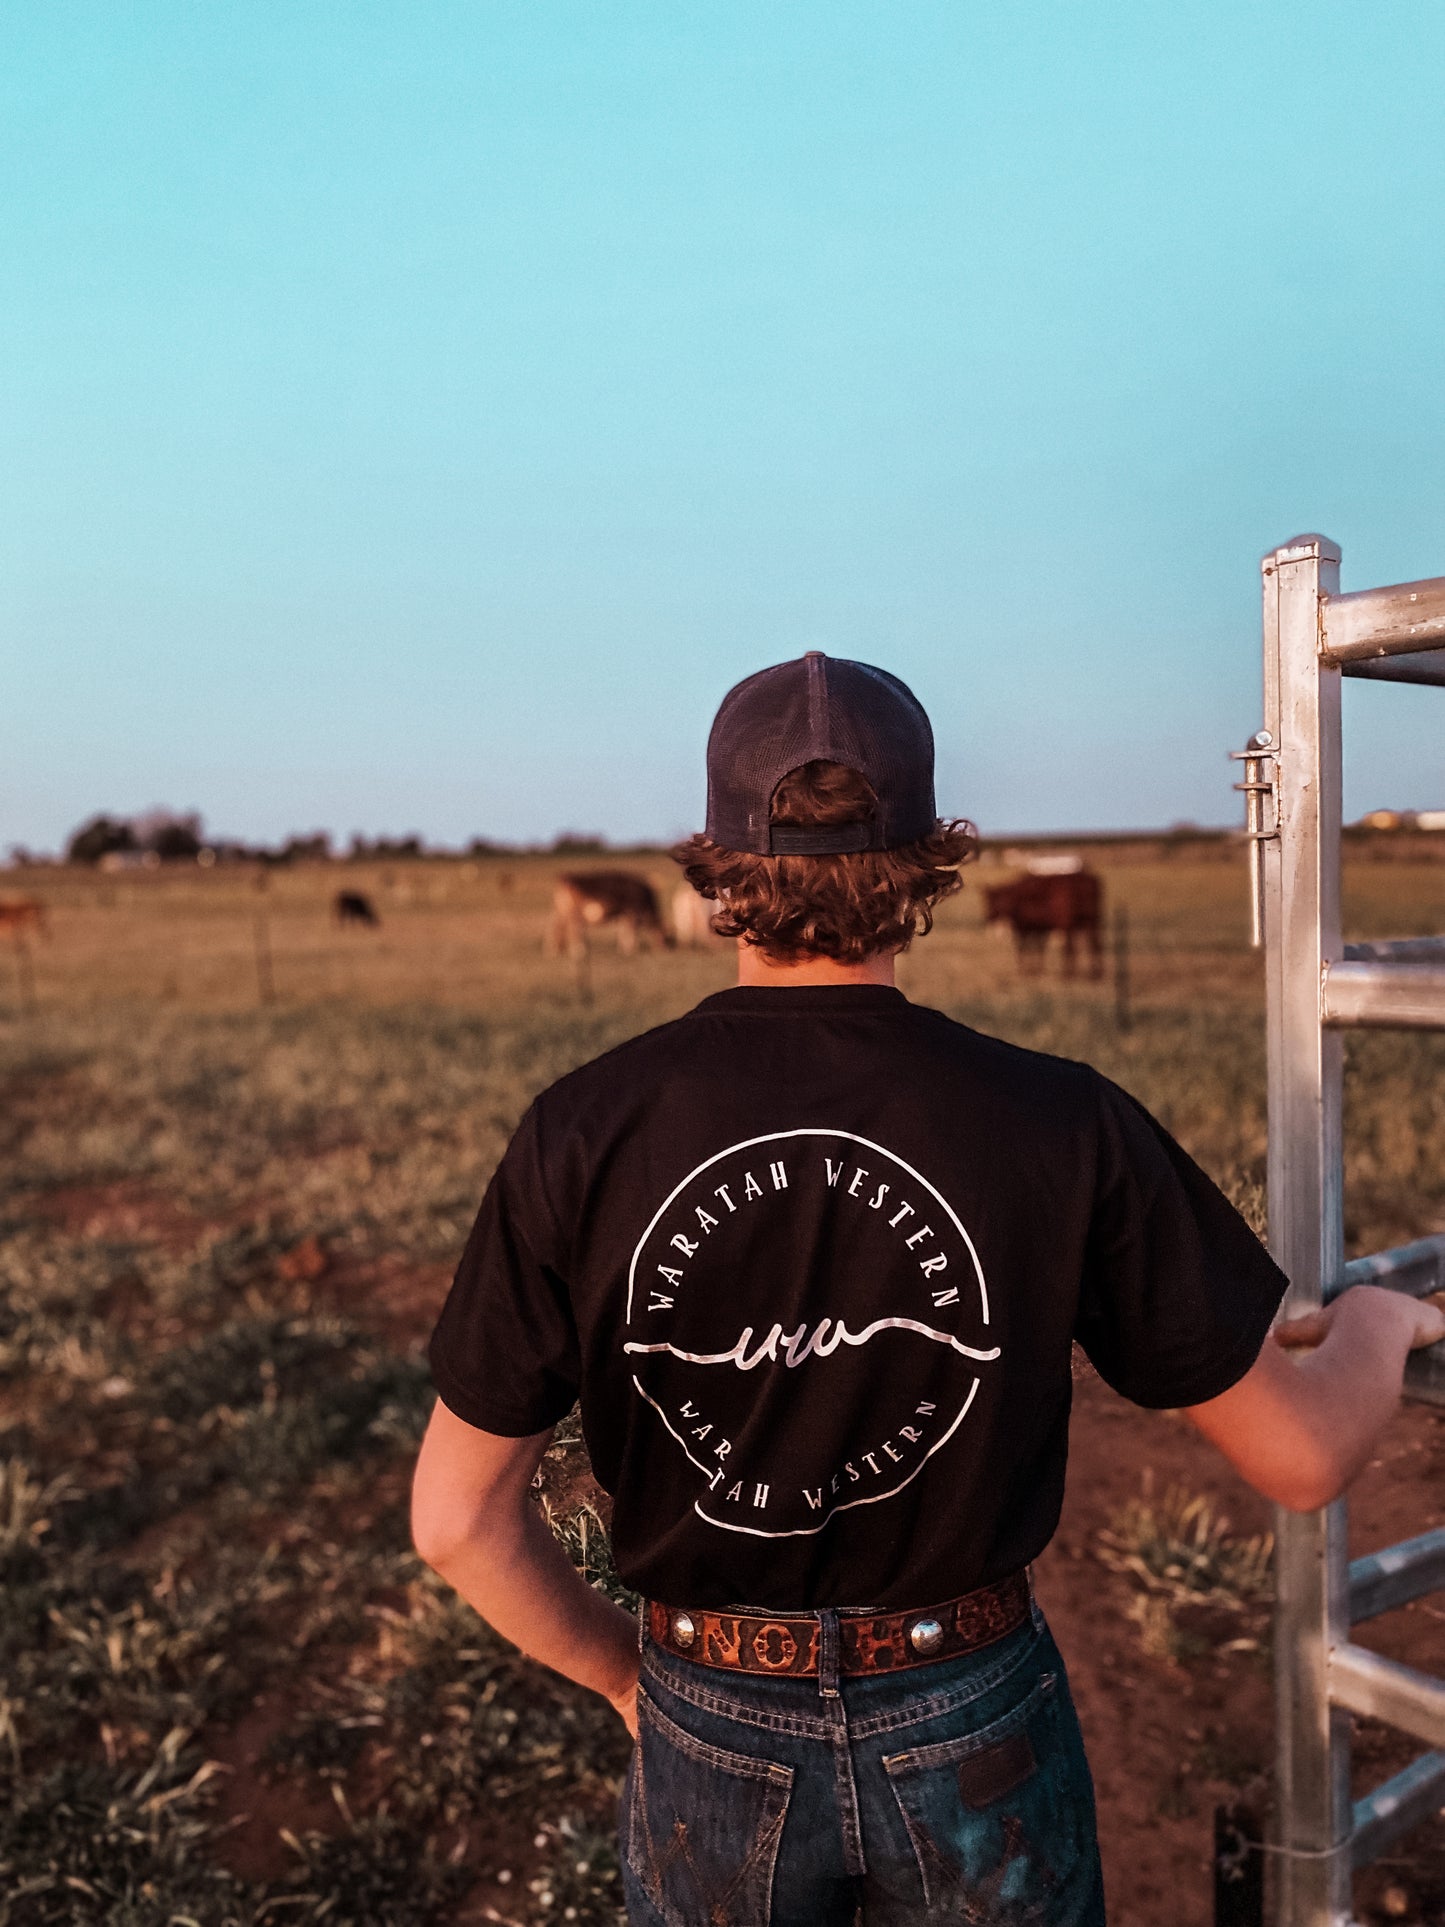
(816, 839)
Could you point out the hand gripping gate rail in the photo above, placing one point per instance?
(1316, 987)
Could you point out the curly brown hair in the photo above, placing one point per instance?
(849, 907)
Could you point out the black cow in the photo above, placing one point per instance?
(352, 907)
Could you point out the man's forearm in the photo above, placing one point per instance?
(513, 1572)
(1300, 1429)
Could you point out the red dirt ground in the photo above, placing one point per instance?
(1160, 1736)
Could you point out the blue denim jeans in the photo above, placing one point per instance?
(952, 1792)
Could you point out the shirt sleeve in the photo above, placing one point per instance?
(504, 1355)
(1178, 1293)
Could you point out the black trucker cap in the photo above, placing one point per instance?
(819, 709)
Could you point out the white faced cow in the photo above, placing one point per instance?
(585, 900)
(692, 917)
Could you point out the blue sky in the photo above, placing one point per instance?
(416, 417)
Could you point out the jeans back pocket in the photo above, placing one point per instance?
(1000, 1818)
(701, 1825)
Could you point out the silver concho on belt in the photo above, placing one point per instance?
(925, 1636)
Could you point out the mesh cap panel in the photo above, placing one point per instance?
(819, 709)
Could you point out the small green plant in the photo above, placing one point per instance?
(80, 1845)
(1181, 1549)
(26, 1503)
(377, 1869)
(579, 1880)
(1189, 1570)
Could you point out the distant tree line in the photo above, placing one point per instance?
(161, 835)
(169, 836)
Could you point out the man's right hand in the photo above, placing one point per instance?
(1299, 1432)
(1425, 1318)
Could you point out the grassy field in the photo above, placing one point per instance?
(228, 1692)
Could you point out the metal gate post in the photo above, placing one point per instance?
(1317, 986)
(1306, 1213)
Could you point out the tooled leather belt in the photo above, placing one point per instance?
(787, 1644)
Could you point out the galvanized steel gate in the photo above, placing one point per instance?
(1318, 986)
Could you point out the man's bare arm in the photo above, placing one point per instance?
(1300, 1431)
(474, 1523)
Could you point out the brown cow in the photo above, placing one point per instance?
(587, 899)
(1035, 906)
(21, 914)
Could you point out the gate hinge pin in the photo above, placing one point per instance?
(1259, 782)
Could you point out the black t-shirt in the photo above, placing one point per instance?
(814, 1261)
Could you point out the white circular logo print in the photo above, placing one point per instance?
(808, 1317)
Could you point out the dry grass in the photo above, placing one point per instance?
(1178, 1547)
(225, 1229)
(1191, 1574)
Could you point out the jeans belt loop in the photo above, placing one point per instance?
(828, 1653)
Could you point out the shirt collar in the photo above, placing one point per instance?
(833, 1000)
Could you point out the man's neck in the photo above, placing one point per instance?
(757, 972)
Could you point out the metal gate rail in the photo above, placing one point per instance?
(1317, 987)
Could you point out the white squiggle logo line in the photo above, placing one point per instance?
(797, 1345)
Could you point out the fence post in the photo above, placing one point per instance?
(1123, 1014)
(261, 942)
(25, 969)
(265, 984)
